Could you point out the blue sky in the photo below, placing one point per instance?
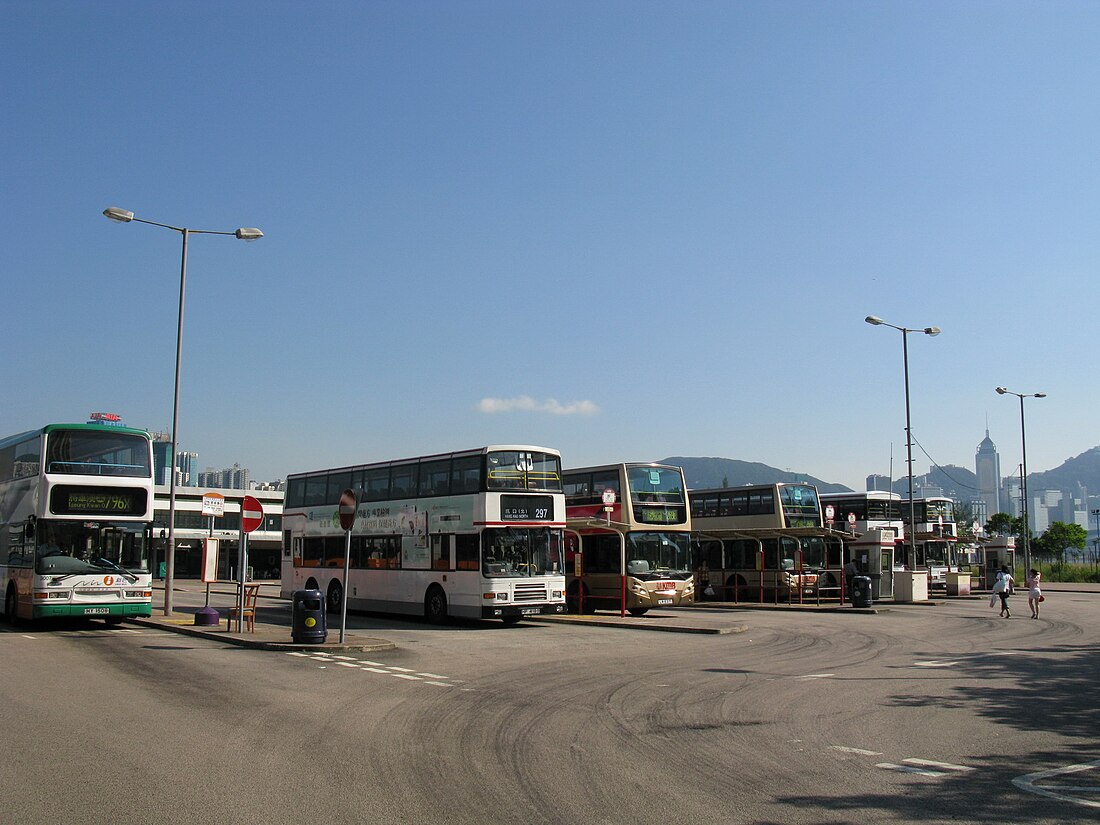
(627, 230)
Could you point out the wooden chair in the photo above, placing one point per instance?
(251, 591)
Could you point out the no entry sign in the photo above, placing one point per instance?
(252, 514)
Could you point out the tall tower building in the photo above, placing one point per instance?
(987, 466)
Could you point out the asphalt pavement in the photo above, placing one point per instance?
(272, 629)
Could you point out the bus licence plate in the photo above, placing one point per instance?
(530, 611)
(664, 601)
(89, 611)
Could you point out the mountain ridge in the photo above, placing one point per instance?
(960, 483)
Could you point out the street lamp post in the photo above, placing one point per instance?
(874, 320)
(245, 234)
(1023, 469)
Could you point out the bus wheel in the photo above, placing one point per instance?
(9, 607)
(311, 584)
(335, 596)
(510, 619)
(435, 605)
(637, 611)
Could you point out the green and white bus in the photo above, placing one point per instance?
(474, 534)
(76, 507)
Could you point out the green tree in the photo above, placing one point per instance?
(1005, 525)
(1058, 537)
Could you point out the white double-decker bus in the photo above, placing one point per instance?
(474, 534)
(628, 547)
(935, 538)
(873, 510)
(76, 506)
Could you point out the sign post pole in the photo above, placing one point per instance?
(348, 504)
(252, 516)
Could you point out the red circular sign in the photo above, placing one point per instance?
(348, 504)
(252, 514)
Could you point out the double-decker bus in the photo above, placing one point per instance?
(935, 538)
(873, 510)
(765, 541)
(76, 506)
(475, 534)
(628, 546)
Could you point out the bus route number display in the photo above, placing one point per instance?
(526, 508)
(96, 501)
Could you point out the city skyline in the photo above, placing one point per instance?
(626, 230)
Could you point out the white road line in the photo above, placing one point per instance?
(431, 676)
(816, 676)
(441, 684)
(1030, 783)
(858, 751)
(400, 669)
(936, 663)
(347, 664)
(406, 676)
(890, 766)
(376, 669)
(928, 763)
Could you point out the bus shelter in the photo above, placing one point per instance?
(778, 565)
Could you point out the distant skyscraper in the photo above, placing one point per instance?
(877, 482)
(188, 469)
(987, 466)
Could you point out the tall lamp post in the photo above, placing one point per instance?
(1023, 468)
(246, 234)
(874, 320)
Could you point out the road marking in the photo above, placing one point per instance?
(1035, 783)
(858, 751)
(936, 663)
(816, 676)
(890, 766)
(369, 666)
(928, 763)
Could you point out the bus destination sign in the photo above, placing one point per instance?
(659, 515)
(526, 508)
(69, 500)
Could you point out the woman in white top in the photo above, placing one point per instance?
(1003, 588)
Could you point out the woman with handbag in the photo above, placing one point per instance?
(1034, 592)
(1003, 588)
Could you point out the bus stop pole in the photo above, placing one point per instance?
(344, 601)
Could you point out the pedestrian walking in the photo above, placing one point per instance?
(1003, 588)
(1034, 592)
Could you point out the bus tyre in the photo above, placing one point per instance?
(435, 605)
(9, 607)
(637, 611)
(335, 599)
(510, 619)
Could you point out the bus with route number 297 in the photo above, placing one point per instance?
(76, 510)
(472, 534)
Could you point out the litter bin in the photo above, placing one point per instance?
(307, 617)
(861, 591)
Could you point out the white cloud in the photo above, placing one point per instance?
(525, 403)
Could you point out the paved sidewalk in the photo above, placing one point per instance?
(272, 631)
